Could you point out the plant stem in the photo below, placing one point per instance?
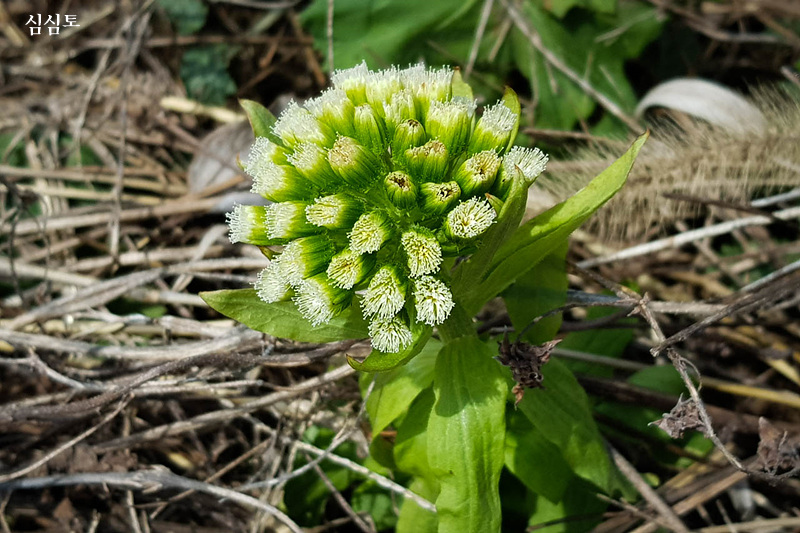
(458, 324)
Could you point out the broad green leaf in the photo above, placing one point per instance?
(599, 341)
(559, 8)
(593, 45)
(395, 391)
(282, 319)
(371, 498)
(541, 289)
(534, 460)
(393, 31)
(466, 436)
(413, 518)
(474, 268)
(561, 414)
(411, 442)
(261, 120)
(577, 512)
(306, 496)
(538, 237)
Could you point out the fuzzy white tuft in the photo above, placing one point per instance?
(470, 218)
(389, 335)
(433, 300)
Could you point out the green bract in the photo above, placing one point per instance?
(374, 184)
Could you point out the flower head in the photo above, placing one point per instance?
(373, 184)
(469, 219)
(386, 293)
(433, 300)
(389, 335)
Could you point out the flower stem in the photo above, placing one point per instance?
(458, 324)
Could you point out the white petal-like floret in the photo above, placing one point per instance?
(433, 300)
(385, 295)
(423, 252)
(470, 218)
(389, 335)
(530, 161)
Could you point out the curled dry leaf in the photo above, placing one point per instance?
(776, 450)
(684, 416)
(526, 362)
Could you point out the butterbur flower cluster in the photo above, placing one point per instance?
(373, 184)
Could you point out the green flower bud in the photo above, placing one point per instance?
(334, 109)
(493, 129)
(287, 220)
(353, 81)
(312, 162)
(357, 166)
(469, 219)
(381, 86)
(386, 293)
(336, 211)
(451, 122)
(428, 162)
(427, 85)
(423, 252)
(305, 257)
(347, 268)
(273, 178)
(401, 191)
(433, 300)
(297, 125)
(246, 223)
(408, 134)
(319, 301)
(370, 129)
(399, 109)
(389, 335)
(369, 232)
(476, 175)
(437, 198)
(271, 285)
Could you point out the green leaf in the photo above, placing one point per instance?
(371, 498)
(561, 413)
(204, 71)
(306, 496)
(511, 101)
(391, 31)
(538, 237)
(411, 442)
(413, 518)
(593, 45)
(541, 289)
(465, 436)
(460, 87)
(599, 341)
(474, 268)
(383, 362)
(395, 391)
(577, 512)
(534, 460)
(188, 16)
(559, 8)
(261, 120)
(282, 319)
